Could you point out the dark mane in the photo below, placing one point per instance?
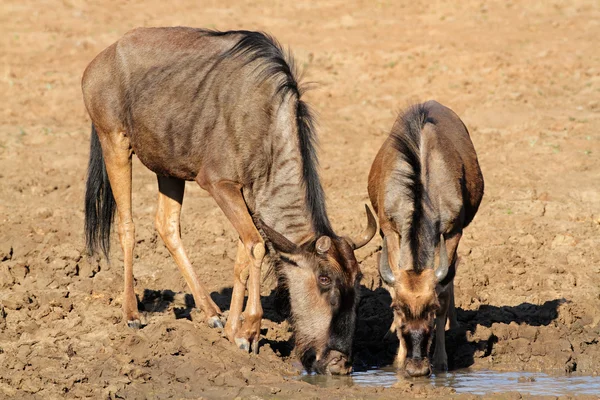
(274, 64)
(406, 136)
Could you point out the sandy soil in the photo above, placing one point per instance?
(525, 79)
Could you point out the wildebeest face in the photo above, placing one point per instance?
(322, 279)
(415, 304)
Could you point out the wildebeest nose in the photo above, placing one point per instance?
(338, 363)
(417, 367)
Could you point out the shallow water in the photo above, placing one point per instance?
(475, 382)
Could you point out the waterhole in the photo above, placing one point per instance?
(475, 382)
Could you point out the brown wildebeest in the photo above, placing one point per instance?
(223, 109)
(425, 186)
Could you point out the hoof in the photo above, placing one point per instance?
(242, 343)
(135, 324)
(245, 345)
(440, 367)
(215, 322)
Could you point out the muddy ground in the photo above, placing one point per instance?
(525, 78)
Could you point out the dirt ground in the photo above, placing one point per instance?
(525, 78)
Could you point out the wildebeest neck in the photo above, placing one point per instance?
(412, 173)
(289, 197)
(279, 195)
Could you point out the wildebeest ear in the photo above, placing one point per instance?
(323, 244)
(279, 242)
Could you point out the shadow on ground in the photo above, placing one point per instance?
(372, 347)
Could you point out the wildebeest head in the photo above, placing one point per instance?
(415, 303)
(322, 278)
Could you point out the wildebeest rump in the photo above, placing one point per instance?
(223, 109)
(425, 185)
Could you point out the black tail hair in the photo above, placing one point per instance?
(100, 204)
(407, 140)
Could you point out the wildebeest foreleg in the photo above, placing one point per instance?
(452, 322)
(228, 196)
(170, 198)
(440, 359)
(117, 153)
(446, 298)
(401, 355)
(452, 246)
(391, 250)
(240, 277)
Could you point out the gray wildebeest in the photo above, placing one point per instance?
(425, 186)
(223, 109)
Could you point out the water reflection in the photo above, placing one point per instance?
(475, 382)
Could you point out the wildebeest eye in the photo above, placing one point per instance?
(324, 280)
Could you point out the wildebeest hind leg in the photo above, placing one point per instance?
(170, 198)
(228, 196)
(117, 153)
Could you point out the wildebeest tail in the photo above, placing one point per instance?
(100, 204)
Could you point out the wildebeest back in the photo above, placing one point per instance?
(186, 105)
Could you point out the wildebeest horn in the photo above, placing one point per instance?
(442, 270)
(279, 242)
(384, 266)
(368, 233)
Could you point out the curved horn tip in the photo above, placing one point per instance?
(369, 232)
(388, 278)
(442, 269)
(385, 272)
(279, 242)
(440, 274)
(371, 216)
